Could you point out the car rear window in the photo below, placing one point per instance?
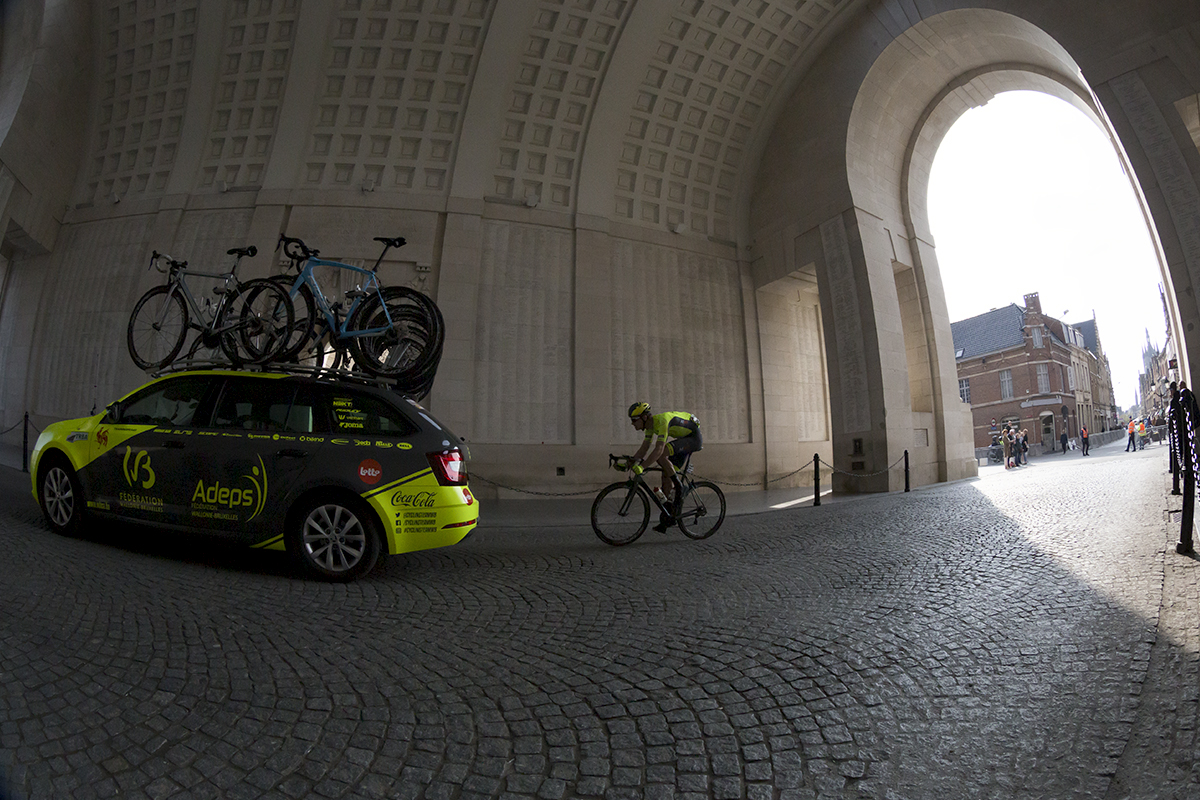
(363, 414)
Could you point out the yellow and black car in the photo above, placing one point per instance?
(334, 472)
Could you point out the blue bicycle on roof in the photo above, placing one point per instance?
(391, 332)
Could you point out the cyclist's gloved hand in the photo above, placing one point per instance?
(636, 469)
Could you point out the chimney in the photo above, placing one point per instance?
(1032, 303)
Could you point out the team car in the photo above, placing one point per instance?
(335, 473)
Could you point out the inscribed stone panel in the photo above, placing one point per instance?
(679, 338)
(524, 341)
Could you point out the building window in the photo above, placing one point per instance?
(964, 389)
(1071, 378)
(1037, 337)
(1043, 378)
(1006, 384)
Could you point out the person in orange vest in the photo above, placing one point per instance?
(1132, 442)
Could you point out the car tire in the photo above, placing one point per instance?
(333, 537)
(61, 496)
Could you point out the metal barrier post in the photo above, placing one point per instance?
(25, 445)
(816, 479)
(906, 470)
(1189, 494)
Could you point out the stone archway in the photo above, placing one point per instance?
(853, 212)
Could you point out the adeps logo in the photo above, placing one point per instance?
(250, 495)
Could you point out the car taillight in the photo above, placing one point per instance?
(448, 467)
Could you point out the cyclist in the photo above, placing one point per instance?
(684, 430)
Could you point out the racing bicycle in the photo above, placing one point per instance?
(392, 332)
(248, 322)
(621, 510)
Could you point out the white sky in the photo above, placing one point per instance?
(1026, 195)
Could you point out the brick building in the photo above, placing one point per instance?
(1020, 367)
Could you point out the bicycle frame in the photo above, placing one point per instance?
(681, 489)
(343, 331)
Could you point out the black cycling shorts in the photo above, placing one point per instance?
(680, 448)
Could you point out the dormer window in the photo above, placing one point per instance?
(1037, 337)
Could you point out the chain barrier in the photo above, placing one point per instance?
(13, 428)
(863, 474)
(477, 476)
(807, 465)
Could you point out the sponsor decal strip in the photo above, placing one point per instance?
(390, 486)
(268, 542)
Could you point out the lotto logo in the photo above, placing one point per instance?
(370, 471)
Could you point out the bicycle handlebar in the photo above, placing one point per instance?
(156, 257)
(620, 463)
(296, 250)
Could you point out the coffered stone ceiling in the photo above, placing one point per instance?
(387, 86)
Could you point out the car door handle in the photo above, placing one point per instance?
(292, 454)
(173, 444)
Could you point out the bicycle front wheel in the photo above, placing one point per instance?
(157, 328)
(703, 510)
(259, 320)
(620, 513)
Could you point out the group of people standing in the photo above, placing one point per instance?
(1016, 447)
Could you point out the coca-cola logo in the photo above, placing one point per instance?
(370, 471)
(418, 500)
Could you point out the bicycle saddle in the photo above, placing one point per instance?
(241, 252)
(396, 242)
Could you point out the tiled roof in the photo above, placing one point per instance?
(998, 329)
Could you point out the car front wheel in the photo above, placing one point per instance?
(334, 539)
(61, 498)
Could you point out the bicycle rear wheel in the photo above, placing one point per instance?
(411, 346)
(259, 319)
(157, 328)
(703, 510)
(620, 513)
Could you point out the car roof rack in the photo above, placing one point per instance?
(356, 377)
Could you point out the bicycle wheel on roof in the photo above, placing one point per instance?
(157, 328)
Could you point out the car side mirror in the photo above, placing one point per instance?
(113, 410)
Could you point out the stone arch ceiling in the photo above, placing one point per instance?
(396, 80)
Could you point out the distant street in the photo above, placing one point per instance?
(1029, 634)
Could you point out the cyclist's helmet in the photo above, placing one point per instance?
(637, 409)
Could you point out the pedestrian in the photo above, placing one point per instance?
(1006, 443)
(1083, 439)
(1132, 445)
(1063, 441)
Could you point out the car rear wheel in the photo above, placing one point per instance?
(61, 497)
(334, 539)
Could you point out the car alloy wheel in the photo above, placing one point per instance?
(334, 541)
(61, 499)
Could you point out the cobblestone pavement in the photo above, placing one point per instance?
(1029, 634)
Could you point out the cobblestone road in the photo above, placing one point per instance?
(1029, 634)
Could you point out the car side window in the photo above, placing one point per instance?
(255, 405)
(168, 403)
(356, 413)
